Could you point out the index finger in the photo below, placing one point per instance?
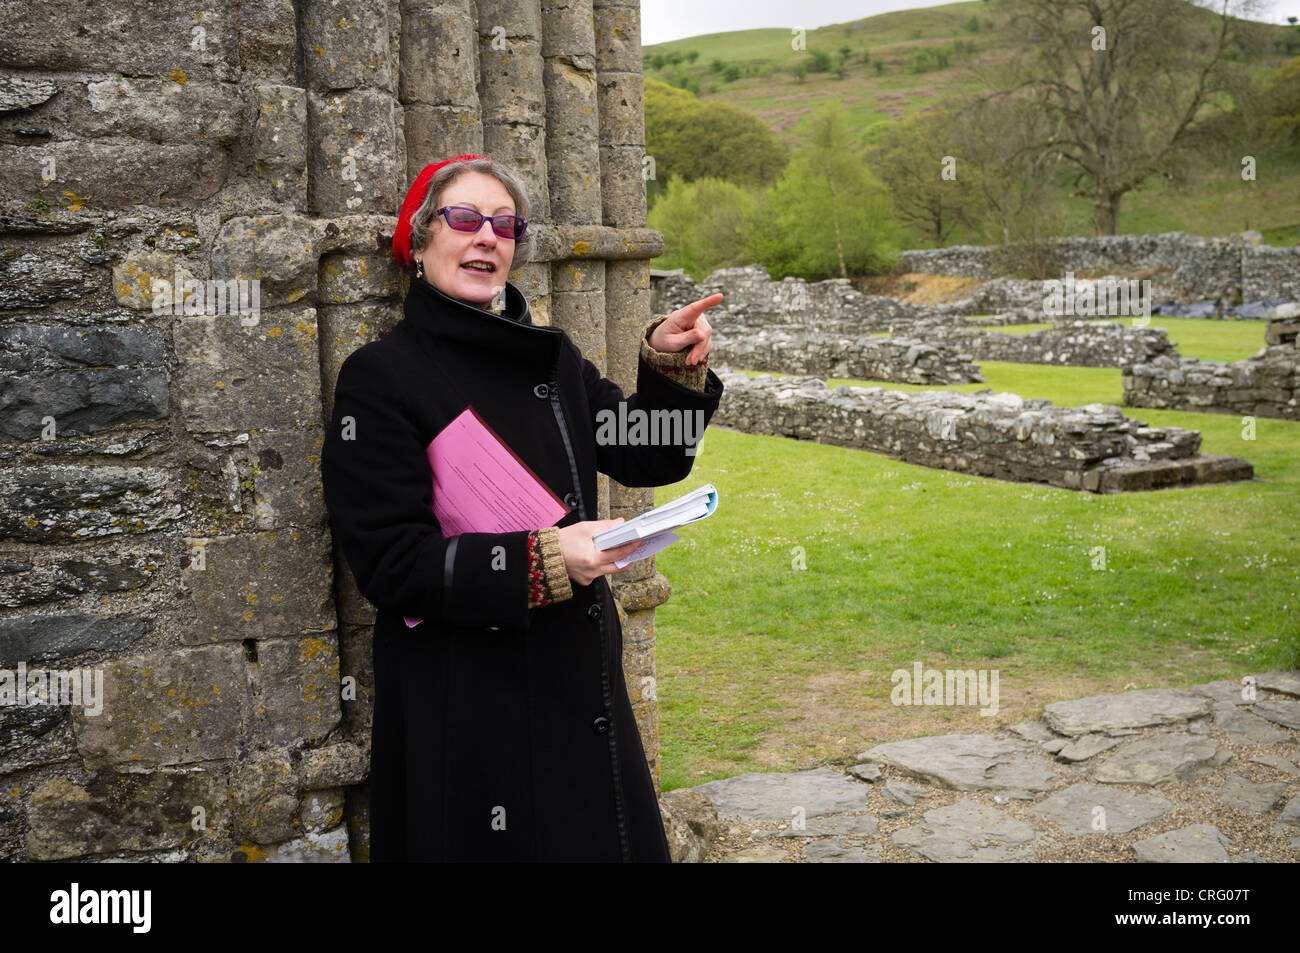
(696, 308)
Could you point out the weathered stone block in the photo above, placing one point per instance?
(322, 810)
(280, 251)
(355, 165)
(260, 585)
(439, 58)
(44, 374)
(618, 35)
(267, 40)
(36, 279)
(171, 707)
(286, 479)
(333, 766)
(111, 812)
(110, 174)
(344, 48)
(440, 131)
(297, 690)
(351, 278)
(236, 378)
(134, 36)
(264, 800)
(24, 582)
(279, 142)
(40, 638)
(66, 502)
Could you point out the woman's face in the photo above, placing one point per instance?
(447, 252)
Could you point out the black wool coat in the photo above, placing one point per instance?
(500, 732)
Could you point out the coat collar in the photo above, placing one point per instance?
(445, 321)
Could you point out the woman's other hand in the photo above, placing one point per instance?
(686, 327)
(583, 561)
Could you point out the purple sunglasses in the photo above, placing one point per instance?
(468, 220)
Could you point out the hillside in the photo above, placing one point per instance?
(895, 68)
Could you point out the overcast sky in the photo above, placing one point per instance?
(663, 20)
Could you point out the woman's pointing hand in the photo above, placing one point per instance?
(687, 327)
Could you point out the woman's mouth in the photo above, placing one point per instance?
(480, 268)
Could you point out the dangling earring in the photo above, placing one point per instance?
(419, 268)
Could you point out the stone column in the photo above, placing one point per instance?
(621, 145)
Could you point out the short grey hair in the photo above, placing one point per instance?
(422, 220)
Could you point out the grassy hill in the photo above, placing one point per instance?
(885, 80)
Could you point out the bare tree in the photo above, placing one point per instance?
(1127, 85)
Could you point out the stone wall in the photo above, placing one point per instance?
(1234, 268)
(1094, 447)
(899, 359)
(753, 301)
(1079, 343)
(161, 515)
(1267, 384)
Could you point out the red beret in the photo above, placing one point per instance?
(414, 197)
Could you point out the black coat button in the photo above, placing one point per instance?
(570, 500)
(542, 390)
(601, 725)
(594, 612)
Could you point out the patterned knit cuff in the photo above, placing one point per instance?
(672, 364)
(548, 579)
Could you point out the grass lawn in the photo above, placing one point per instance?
(1226, 340)
(825, 569)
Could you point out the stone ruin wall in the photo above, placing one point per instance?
(822, 329)
(169, 527)
(1233, 268)
(902, 360)
(1095, 448)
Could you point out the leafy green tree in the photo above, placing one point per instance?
(911, 158)
(826, 216)
(694, 140)
(819, 61)
(692, 55)
(703, 225)
(1281, 104)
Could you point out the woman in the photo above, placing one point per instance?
(502, 727)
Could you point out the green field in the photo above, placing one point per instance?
(762, 665)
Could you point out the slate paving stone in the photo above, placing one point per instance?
(1144, 708)
(774, 796)
(968, 831)
(1195, 844)
(1244, 728)
(1251, 797)
(1087, 808)
(1157, 759)
(837, 852)
(969, 763)
(1279, 712)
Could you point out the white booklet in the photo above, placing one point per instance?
(654, 527)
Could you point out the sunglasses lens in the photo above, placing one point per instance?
(464, 219)
(508, 226)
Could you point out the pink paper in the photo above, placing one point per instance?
(480, 486)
